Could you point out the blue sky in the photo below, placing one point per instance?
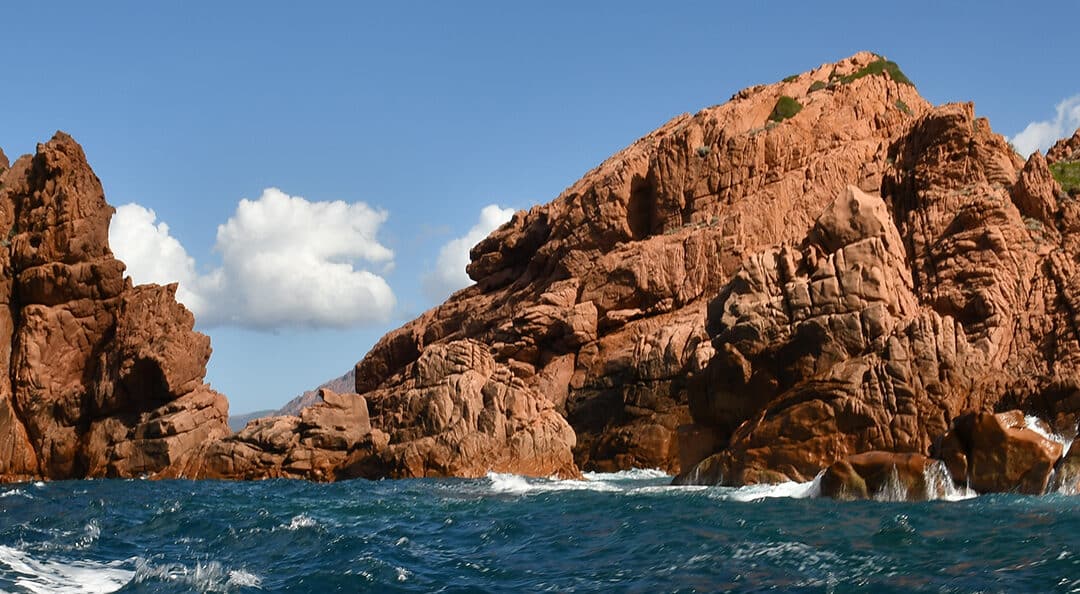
(427, 113)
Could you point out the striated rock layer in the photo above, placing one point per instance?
(102, 378)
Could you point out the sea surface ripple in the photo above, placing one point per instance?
(626, 532)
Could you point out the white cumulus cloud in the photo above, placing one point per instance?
(1040, 136)
(285, 262)
(449, 273)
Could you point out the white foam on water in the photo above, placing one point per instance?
(244, 579)
(816, 566)
(634, 474)
(508, 483)
(301, 521)
(517, 484)
(91, 532)
(790, 489)
(71, 577)
(592, 481)
(938, 481)
(203, 577)
(16, 493)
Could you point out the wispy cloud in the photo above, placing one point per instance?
(1040, 136)
(286, 262)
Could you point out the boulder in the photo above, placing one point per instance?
(997, 453)
(881, 475)
(1067, 471)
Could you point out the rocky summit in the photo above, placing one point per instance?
(826, 275)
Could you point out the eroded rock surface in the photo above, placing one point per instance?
(453, 412)
(103, 378)
(597, 300)
(951, 290)
(1066, 149)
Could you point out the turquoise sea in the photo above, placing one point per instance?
(622, 532)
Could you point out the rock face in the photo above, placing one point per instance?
(597, 300)
(102, 378)
(950, 290)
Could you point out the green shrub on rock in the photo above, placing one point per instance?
(1067, 173)
(785, 108)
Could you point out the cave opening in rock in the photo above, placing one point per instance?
(146, 386)
(641, 208)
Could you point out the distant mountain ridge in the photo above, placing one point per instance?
(342, 385)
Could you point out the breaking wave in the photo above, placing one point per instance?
(29, 574)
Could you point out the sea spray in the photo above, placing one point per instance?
(940, 485)
(1043, 428)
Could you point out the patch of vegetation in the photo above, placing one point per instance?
(785, 108)
(703, 151)
(791, 78)
(1067, 173)
(903, 107)
(817, 85)
(875, 68)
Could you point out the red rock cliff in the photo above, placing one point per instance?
(597, 300)
(101, 378)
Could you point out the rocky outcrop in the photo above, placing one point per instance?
(1066, 149)
(102, 378)
(312, 445)
(453, 412)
